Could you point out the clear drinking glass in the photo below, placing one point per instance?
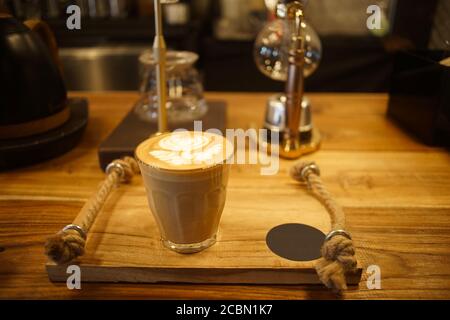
(186, 175)
(185, 101)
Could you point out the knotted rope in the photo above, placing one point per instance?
(69, 243)
(338, 253)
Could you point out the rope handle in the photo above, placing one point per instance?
(69, 243)
(338, 252)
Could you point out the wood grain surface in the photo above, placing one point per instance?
(394, 190)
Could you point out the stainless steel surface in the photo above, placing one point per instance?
(275, 114)
(102, 68)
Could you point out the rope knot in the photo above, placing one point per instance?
(338, 258)
(65, 246)
(340, 249)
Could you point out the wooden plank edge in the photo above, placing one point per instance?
(292, 276)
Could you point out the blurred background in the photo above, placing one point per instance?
(103, 55)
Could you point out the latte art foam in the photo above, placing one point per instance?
(185, 150)
(181, 142)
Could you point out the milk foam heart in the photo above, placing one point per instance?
(185, 150)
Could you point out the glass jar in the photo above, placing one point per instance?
(185, 101)
(271, 50)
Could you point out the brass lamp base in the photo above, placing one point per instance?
(295, 148)
(292, 150)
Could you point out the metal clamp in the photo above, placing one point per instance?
(76, 228)
(307, 170)
(339, 232)
(116, 166)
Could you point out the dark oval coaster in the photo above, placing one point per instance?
(296, 242)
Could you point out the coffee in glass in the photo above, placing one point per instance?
(185, 175)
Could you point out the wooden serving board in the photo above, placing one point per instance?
(124, 243)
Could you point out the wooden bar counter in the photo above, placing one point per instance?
(394, 190)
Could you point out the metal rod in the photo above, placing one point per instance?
(295, 81)
(292, 13)
(159, 52)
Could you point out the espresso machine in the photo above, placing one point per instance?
(289, 50)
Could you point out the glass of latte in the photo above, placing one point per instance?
(185, 175)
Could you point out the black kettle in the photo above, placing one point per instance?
(33, 97)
